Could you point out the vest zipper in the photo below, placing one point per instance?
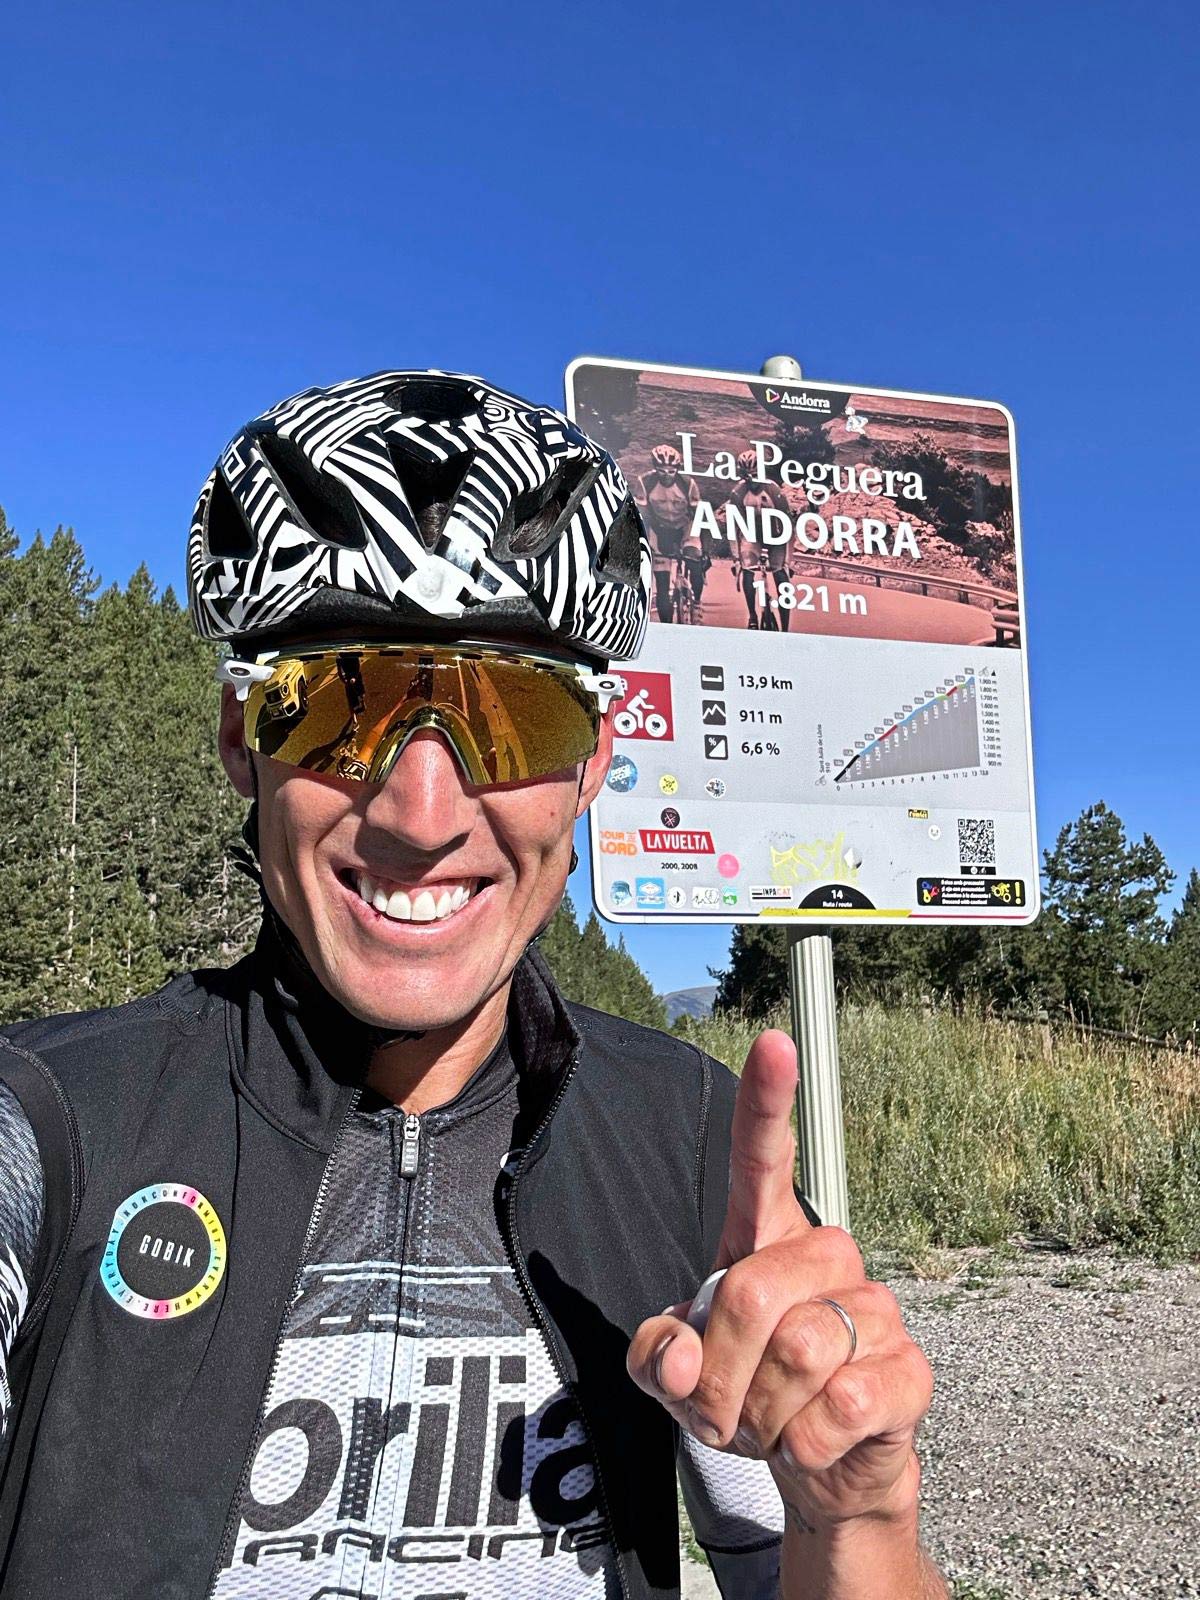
(235, 1507)
(531, 1300)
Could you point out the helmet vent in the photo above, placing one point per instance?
(433, 399)
(535, 519)
(430, 487)
(320, 502)
(620, 557)
(227, 535)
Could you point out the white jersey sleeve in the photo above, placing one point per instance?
(737, 1514)
(21, 1202)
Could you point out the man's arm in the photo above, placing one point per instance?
(22, 1200)
(797, 1359)
(858, 1559)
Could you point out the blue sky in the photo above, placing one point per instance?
(208, 207)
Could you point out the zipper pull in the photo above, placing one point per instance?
(410, 1150)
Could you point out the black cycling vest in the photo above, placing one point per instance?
(129, 1432)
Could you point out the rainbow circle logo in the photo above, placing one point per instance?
(165, 1253)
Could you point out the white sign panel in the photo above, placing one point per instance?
(830, 717)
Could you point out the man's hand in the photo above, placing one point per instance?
(771, 1377)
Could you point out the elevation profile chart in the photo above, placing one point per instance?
(947, 730)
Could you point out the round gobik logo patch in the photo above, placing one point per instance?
(165, 1253)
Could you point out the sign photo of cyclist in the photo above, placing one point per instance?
(814, 508)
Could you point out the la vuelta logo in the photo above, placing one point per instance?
(676, 842)
(645, 712)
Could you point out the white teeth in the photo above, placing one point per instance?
(423, 907)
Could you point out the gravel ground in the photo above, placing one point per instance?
(1062, 1451)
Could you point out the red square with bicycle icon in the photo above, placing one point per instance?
(645, 710)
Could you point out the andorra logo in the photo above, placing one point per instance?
(797, 400)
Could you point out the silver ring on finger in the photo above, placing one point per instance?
(847, 1319)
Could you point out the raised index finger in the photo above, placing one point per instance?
(762, 1203)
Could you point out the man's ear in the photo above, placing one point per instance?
(231, 743)
(596, 770)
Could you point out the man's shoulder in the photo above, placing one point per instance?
(182, 1004)
(631, 1047)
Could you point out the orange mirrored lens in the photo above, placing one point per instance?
(348, 712)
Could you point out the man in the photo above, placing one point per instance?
(668, 503)
(339, 1272)
(754, 557)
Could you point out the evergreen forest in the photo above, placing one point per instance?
(121, 832)
(121, 836)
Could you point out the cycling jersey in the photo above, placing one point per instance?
(404, 1382)
(756, 497)
(668, 504)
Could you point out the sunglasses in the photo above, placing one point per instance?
(348, 712)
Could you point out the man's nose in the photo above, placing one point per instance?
(424, 800)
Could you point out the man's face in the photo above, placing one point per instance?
(424, 832)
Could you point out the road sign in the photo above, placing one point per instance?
(833, 687)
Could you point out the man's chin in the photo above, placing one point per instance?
(424, 1021)
(425, 1002)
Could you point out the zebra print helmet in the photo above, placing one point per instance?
(421, 503)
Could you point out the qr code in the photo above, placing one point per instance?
(976, 842)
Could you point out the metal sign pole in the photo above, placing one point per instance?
(819, 1091)
(814, 1027)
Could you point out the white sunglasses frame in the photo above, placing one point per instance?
(606, 686)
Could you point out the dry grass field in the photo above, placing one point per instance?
(964, 1129)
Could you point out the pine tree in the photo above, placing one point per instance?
(128, 962)
(559, 946)
(1103, 932)
(638, 1000)
(592, 972)
(1172, 1006)
(868, 963)
(170, 814)
(45, 594)
(999, 966)
(118, 820)
(756, 979)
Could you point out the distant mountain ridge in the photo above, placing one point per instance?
(696, 1002)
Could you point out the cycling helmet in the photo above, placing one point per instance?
(747, 464)
(666, 455)
(427, 503)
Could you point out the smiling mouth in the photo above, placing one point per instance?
(432, 902)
